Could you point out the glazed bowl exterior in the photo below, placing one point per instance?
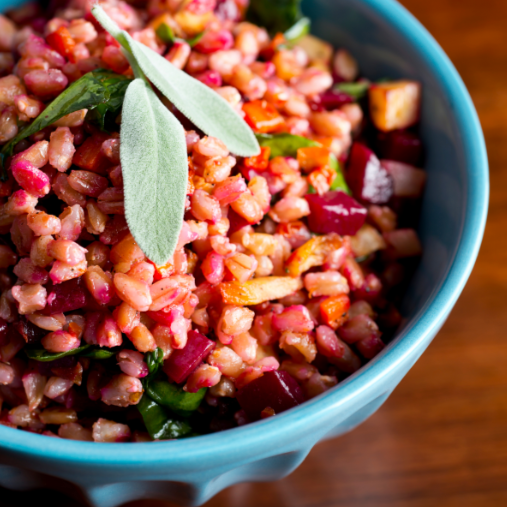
(388, 42)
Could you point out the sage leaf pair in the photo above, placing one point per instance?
(152, 141)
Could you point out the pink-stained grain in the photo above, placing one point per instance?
(213, 268)
(34, 385)
(39, 249)
(46, 83)
(95, 220)
(132, 363)
(108, 333)
(57, 386)
(61, 149)
(99, 284)
(20, 203)
(66, 193)
(300, 346)
(293, 318)
(31, 297)
(28, 107)
(226, 360)
(289, 209)
(329, 283)
(7, 374)
(205, 206)
(97, 255)
(178, 54)
(30, 178)
(245, 345)
(133, 292)
(74, 431)
(53, 322)
(109, 431)
(62, 272)
(10, 87)
(127, 318)
(142, 339)
(58, 415)
(72, 222)
(122, 391)
(60, 341)
(43, 224)
(27, 271)
(203, 376)
(67, 251)
(21, 234)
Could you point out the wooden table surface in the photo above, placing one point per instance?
(441, 438)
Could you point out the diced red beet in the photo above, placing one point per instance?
(183, 362)
(332, 99)
(236, 222)
(275, 389)
(30, 332)
(66, 297)
(367, 179)
(335, 211)
(400, 145)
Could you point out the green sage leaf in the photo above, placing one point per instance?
(284, 145)
(356, 90)
(155, 171)
(275, 15)
(159, 424)
(154, 360)
(298, 30)
(97, 89)
(100, 354)
(175, 398)
(199, 103)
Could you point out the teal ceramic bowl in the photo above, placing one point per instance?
(387, 41)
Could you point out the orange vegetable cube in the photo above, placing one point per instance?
(334, 310)
(259, 162)
(395, 105)
(62, 42)
(258, 290)
(263, 117)
(312, 253)
(312, 157)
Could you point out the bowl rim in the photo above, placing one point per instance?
(249, 440)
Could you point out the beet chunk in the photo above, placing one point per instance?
(183, 362)
(66, 297)
(368, 180)
(275, 389)
(335, 212)
(400, 145)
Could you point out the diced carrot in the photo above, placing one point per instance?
(62, 42)
(334, 310)
(89, 155)
(259, 290)
(263, 117)
(312, 157)
(312, 253)
(395, 105)
(259, 162)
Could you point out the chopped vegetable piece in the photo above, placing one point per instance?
(259, 290)
(263, 117)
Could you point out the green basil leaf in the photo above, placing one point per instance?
(275, 15)
(45, 356)
(339, 182)
(158, 423)
(175, 398)
(165, 33)
(193, 41)
(97, 88)
(356, 90)
(298, 30)
(155, 171)
(284, 145)
(199, 103)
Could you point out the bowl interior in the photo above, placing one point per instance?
(387, 42)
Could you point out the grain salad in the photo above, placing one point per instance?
(207, 215)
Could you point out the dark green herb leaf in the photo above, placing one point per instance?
(100, 353)
(158, 423)
(284, 145)
(97, 88)
(175, 398)
(194, 40)
(165, 33)
(298, 30)
(155, 171)
(45, 356)
(339, 182)
(275, 15)
(154, 360)
(356, 90)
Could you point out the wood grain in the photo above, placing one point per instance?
(441, 439)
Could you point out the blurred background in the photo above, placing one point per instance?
(441, 439)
